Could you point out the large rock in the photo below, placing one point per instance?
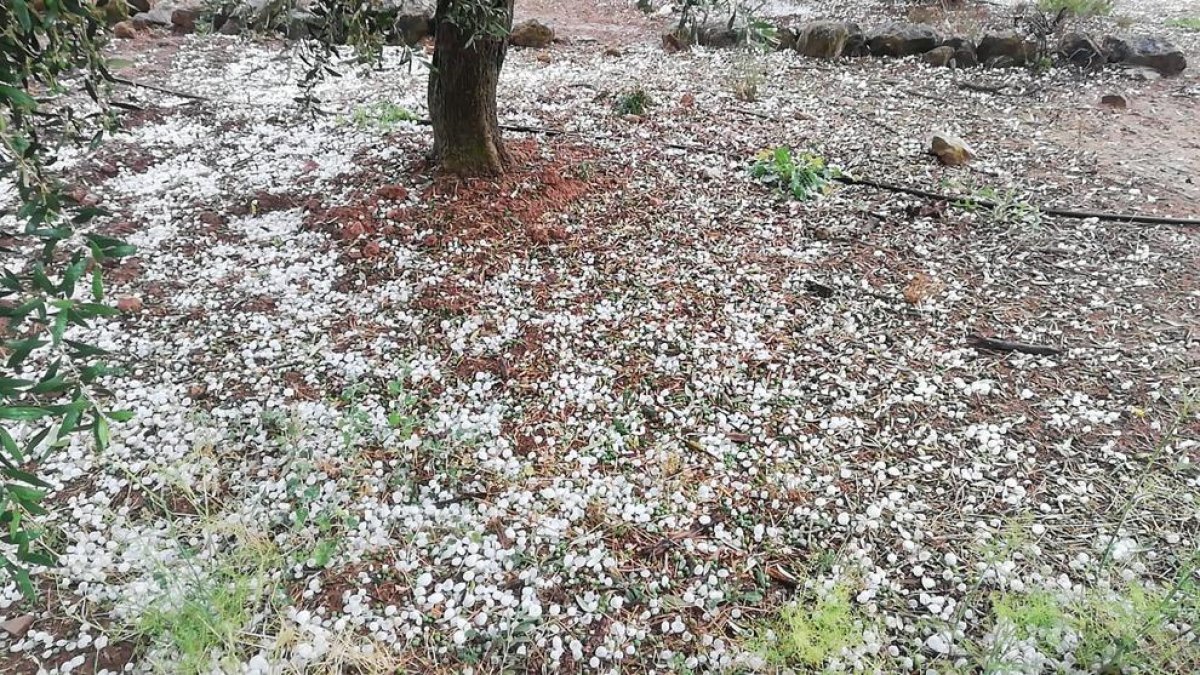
(964, 52)
(785, 38)
(823, 39)
(1156, 53)
(939, 57)
(1081, 50)
(531, 33)
(183, 20)
(719, 35)
(1006, 48)
(903, 39)
(159, 16)
(856, 43)
(950, 149)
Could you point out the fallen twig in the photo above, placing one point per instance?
(988, 204)
(160, 89)
(998, 345)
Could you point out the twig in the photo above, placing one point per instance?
(753, 113)
(160, 89)
(998, 345)
(1061, 213)
(985, 88)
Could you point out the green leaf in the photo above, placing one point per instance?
(17, 98)
(24, 413)
(97, 285)
(101, 432)
(25, 477)
(21, 350)
(121, 415)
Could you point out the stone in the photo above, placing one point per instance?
(125, 30)
(939, 57)
(612, 52)
(129, 305)
(785, 38)
(995, 47)
(903, 39)
(183, 20)
(822, 39)
(1114, 101)
(719, 36)
(677, 40)
(965, 57)
(231, 26)
(531, 33)
(1114, 48)
(1153, 52)
(950, 149)
(18, 626)
(159, 16)
(856, 43)
(1081, 50)
(139, 5)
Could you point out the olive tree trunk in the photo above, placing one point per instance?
(467, 57)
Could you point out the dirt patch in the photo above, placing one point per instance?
(1155, 140)
(607, 21)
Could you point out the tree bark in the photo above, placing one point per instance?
(462, 88)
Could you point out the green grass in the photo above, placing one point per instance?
(1187, 23)
(203, 619)
(634, 102)
(1081, 8)
(382, 115)
(809, 632)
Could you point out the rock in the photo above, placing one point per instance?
(231, 26)
(903, 39)
(159, 16)
(1114, 48)
(995, 47)
(1114, 101)
(785, 38)
(950, 149)
(18, 626)
(964, 57)
(719, 36)
(939, 57)
(822, 39)
(1151, 52)
(677, 40)
(613, 52)
(856, 43)
(130, 304)
(184, 20)
(1081, 50)
(139, 5)
(125, 30)
(531, 33)
(409, 29)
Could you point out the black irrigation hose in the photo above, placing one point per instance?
(988, 204)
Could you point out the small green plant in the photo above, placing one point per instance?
(809, 632)
(1186, 23)
(634, 102)
(804, 176)
(1081, 8)
(382, 115)
(208, 619)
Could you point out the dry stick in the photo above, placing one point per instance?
(988, 204)
(164, 90)
(998, 345)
